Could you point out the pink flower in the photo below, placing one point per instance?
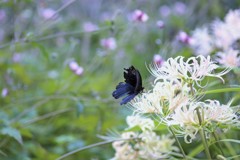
(78, 70)
(157, 59)
(164, 11)
(17, 57)
(2, 15)
(230, 58)
(89, 27)
(109, 43)
(180, 8)
(160, 24)
(183, 37)
(4, 92)
(73, 65)
(48, 13)
(139, 16)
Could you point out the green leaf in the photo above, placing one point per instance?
(133, 129)
(42, 49)
(196, 150)
(12, 132)
(220, 91)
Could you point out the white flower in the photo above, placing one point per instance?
(143, 123)
(146, 103)
(124, 150)
(147, 145)
(155, 147)
(201, 41)
(229, 58)
(172, 93)
(194, 70)
(223, 38)
(232, 19)
(186, 121)
(214, 111)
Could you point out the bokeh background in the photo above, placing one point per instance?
(59, 67)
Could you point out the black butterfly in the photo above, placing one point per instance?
(131, 87)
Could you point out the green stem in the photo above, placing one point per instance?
(217, 140)
(203, 136)
(178, 143)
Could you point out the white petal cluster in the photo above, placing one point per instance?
(220, 36)
(173, 98)
(143, 145)
(194, 70)
(143, 123)
(201, 41)
(212, 114)
(229, 58)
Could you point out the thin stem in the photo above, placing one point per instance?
(217, 140)
(203, 136)
(178, 143)
(83, 148)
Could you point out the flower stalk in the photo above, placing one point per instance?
(203, 136)
(178, 143)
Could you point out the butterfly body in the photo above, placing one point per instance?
(131, 87)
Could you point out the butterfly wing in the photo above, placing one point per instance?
(131, 87)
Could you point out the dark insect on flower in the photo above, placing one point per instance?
(131, 87)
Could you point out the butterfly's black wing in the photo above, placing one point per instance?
(131, 87)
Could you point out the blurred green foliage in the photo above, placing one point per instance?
(48, 110)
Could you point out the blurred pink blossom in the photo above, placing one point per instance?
(73, 65)
(183, 37)
(160, 24)
(164, 11)
(16, 57)
(4, 92)
(109, 43)
(2, 15)
(48, 13)
(78, 70)
(157, 59)
(230, 58)
(89, 27)
(180, 8)
(139, 16)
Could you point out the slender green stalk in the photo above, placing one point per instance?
(203, 136)
(217, 140)
(178, 143)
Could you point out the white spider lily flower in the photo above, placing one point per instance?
(229, 58)
(194, 70)
(232, 19)
(222, 35)
(214, 111)
(147, 145)
(146, 103)
(175, 93)
(202, 42)
(156, 147)
(186, 121)
(124, 150)
(142, 122)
